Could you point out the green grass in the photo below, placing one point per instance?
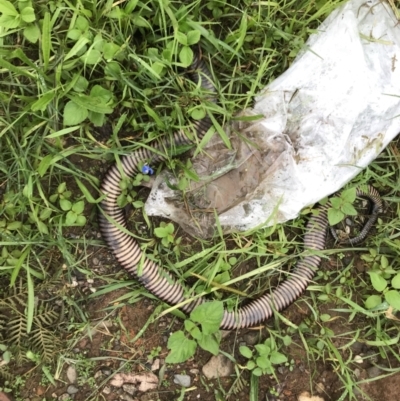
(84, 82)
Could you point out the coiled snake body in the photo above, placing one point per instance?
(158, 281)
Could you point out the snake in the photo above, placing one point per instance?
(158, 280)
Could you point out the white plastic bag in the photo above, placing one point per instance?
(325, 119)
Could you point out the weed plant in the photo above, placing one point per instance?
(83, 83)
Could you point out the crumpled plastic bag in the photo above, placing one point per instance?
(324, 120)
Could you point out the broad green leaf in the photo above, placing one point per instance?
(336, 202)
(78, 207)
(100, 92)
(169, 228)
(80, 220)
(70, 218)
(157, 67)
(276, 358)
(349, 210)
(116, 12)
(349, 195)
(160, 232)
(193, 329)
(186, 56)
(81, 84)
(10, 21)
(335, 216)
(15, 225)
(28, 14)
(97, 119)
(74, 113)
(6, 356)
(32, 33)
(109, 50)
(181, 348)
(325, 317)
(209, 343)
(263, 362)
(396, 281)
(81, 23)
(372, 301)
(263, 349)
(287, 340)
(91, 57)
(193, 37)
(65, 204)
(181, 38)
(42, 227)
(198, 113)
(45, 214)
(209, 315)
(7, 8)
(93, 103)
(246, 351)
(74, 34)
(378, 282)
(250, 365)
(257, 372)
(393, 298)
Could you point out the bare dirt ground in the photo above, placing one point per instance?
(110, 348)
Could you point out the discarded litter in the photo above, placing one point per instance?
(324, 120)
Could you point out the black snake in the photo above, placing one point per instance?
(158, 280)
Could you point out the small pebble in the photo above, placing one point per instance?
(129, 388)
(252, 338)
(98, 374)
(373, 372)
(218, 366)
(72, 389)
(282, 369)
(107, 390)
(358, 359)
(64, 397)
(95, 261)
(71, 374)
(182, 380)
(357, 347)
(155, 365)
(194, 371)
(106, 372)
